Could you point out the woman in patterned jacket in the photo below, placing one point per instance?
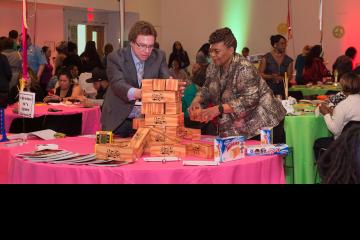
(243, 101)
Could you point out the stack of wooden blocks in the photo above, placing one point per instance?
(161, 132)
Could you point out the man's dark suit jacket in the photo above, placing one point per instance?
(122, 76)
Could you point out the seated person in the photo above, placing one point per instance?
(340, 163)
(32, 85)
(314, 69)
(100, 81)
(345, 112)
(67, 90)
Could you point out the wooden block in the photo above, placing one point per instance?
(174, 132)
(147, 85)
(139, 141)
(165, 150)
(164, 120)
(159, 84)
(160, 136)
(115, 152)
(172, 85)
(159, 97)
(200, 150)
(138, 123)
(153, 108)
(173, 108)
(192, 134)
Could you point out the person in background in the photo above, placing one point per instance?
(345, 63)
(243, 102)
(275, 64)
(107, 50)
(74, 71)
(14, 36)
(203, 53)
(246, 53)
(14, 59)
(315, 70)
(179, 53)
(100, 82)
(90, 58)
(126, 69)
(32, 85)
(346, 111)
(300, 64)
(72, 58)
(177, 73)
(62, 53)
(198, 79)
(36, 58)
(67, 89)
(341, 162)
(5, 78)
(49, 69)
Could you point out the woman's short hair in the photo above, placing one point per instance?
(142, 28)
(350, 83)
(224, 35)
(276, 38)
(65, 71)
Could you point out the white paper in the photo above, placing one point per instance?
(42, 147)
(27, 104)
(200, 163)
(47, 134)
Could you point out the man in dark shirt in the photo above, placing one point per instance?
(100, 82)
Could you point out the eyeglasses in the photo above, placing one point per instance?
(144, 47)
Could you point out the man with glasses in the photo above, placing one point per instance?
(125, 69)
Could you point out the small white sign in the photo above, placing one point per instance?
(26, 104)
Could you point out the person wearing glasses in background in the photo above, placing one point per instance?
(125, 69)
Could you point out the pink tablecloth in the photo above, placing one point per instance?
(90, 116)
(252, 170)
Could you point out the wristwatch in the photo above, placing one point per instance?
(221, 110)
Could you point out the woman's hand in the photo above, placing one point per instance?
(209, 114)
(325, 109)
(195, 111)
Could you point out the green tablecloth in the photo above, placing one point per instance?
(301, 134)
(315, 90)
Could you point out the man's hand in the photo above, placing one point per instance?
(137, 94)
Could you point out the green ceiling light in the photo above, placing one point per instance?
(236, 16)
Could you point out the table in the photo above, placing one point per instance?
(301, 134)
(252, 170)
(315, 90)
(90, 116)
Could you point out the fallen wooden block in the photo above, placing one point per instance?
(205, 151)
(160, 136)
(115, 152)
(139, 141)
(192, 134)
(138, 123)
(165, 150)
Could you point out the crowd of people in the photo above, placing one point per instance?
(234, 96)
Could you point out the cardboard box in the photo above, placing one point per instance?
(160, 97)
(229, 149)
(159, 84)
(201, 150)
(165, 150)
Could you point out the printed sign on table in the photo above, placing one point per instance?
(26, 104)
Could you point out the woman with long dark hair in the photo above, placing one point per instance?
(179, 53)
(90, 57)
(315, 70)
